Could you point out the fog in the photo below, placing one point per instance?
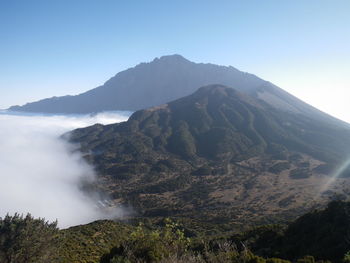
(39, 172)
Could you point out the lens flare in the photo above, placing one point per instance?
(336, 174)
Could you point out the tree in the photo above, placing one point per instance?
(27, 240)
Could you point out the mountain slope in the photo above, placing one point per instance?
(217, 153)
(165, 79)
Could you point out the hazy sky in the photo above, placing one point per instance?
(66, 47)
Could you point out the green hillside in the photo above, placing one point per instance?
(218, 155)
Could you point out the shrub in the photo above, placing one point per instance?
(27, 240)
(151, 246)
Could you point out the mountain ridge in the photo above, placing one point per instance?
(217, 153)
(165, 79)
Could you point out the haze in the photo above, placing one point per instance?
(39, 172)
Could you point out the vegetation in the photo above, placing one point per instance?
(27, 240)
(324, 234)
(151, 246)
(87, 243)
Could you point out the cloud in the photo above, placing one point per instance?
(40, 174)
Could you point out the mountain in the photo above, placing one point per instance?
(165, 79)
(219, 154)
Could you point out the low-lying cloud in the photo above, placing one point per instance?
(39, 172)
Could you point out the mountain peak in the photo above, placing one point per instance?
(214, 89)
(165, 79)
(171, 58)
(210, 151)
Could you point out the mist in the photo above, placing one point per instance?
(39, 172)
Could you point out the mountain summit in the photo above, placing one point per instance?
(146, 85)
(217, 153)
(165, 79)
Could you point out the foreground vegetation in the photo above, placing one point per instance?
(319, 236)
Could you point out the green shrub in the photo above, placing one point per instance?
(306, 259)
(144, 245)
(27, 240)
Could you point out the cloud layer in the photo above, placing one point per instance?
(39, 173)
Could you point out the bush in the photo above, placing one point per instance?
(150, 246)
(27, 240)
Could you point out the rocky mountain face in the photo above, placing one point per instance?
(219, 154)
(162, 80)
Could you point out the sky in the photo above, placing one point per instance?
(53, 48)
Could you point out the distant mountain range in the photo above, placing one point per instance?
(220, 154)
(164, 79)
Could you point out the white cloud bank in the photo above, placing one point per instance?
(38, 172)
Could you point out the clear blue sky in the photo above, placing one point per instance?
(63, 47)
